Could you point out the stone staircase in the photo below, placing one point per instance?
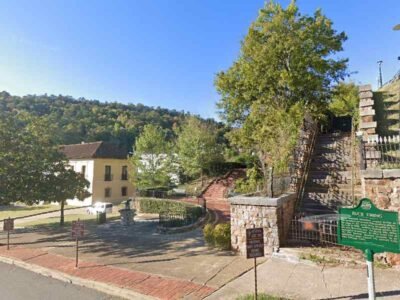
(329, 184)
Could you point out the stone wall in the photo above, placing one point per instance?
(272, 214)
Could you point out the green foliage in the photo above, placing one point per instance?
(345, 100)
(261, 296)
(249, 184)
(285, 69)
(155, 206)
(218, 236)
(208, 232)
(152, 162)
(80, 119)
(197, 147)
(222, 236)
(31, 167)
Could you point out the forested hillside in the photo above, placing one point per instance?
(91, 120)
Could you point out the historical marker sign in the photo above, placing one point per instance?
(367, 227)
(255, 242)
(8, 224)
(77, 229)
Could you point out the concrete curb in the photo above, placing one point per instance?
(99, 286)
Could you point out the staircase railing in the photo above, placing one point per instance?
(305, 161)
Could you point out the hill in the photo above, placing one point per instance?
(387, 106)
(91, 120)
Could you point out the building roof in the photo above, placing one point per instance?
(93, 150)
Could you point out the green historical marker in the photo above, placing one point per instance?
(371, 230)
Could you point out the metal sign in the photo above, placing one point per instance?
(255, 242)
(8, 224)
(78, 229)
(367, 227)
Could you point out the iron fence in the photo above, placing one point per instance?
(317, 230)
(381, 152)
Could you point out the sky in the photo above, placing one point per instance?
(164, 52)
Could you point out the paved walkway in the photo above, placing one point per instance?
(216, 195)
(143, 283)
(307, 281)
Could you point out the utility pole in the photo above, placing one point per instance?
(380, 81)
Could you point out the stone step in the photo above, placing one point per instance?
(324, 188)
(330, 181)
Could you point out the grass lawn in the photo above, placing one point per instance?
(54, 221)
(23, 211)
(194, 187)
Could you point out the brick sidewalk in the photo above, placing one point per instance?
(143, 283)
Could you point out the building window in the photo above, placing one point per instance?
(83, 171)
(107, 174)
(107, 192)
(124, 174)
(124, 191)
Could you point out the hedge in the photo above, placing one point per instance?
(190, 212)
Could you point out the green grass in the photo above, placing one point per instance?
(23, 211)
(194, 187)
(322, 260)
(54, 222)
(261, 296)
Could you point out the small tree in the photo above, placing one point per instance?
(152, 162)
(197, 147)
(31, 167)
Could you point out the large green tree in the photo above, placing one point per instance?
(197, 147)
(152, 161)
(286, 67)
(31, 167)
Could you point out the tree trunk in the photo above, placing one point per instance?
(270, 182)
(62, 213)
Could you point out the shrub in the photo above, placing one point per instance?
(208, 232)
(155, 206)
(222, 236)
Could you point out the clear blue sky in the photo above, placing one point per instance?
(163, 52)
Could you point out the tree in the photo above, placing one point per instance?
(152, 161)
(31, 167)
(285, 69)
(197, 147)
(345, 100)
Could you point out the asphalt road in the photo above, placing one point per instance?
(20, 284)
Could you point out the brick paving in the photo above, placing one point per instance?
(216, 195)
(140, 282)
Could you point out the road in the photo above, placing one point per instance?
(20, 284)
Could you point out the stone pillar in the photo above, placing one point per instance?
(274, 215)
(367, 112)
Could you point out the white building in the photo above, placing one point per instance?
(105, 166)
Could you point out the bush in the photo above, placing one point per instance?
(222, 236)
(155, 206)
(208, 232)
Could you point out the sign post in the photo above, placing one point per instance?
(78, 229)
(255, 248)
(8, 225)
(371, 230)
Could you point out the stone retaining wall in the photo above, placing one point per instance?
(272, 214)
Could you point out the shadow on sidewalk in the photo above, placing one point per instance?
(365, 295)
